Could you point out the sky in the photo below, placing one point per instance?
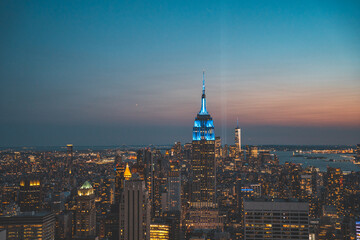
(130, 72)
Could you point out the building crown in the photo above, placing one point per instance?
(127, 173)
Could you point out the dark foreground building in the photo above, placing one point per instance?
(29, 225)
(276, 219)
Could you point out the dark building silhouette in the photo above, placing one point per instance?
(30, 195)
(134, 216)
(29, 225)
(85, 216)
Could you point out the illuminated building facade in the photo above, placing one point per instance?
(63, 225)
(306, 183)
(85, 216)
(217, 147)
(335, 189)
(329, 228)
(176, 150)
(275, 219)
(173, 220)
(111, 228)
(254, 152)
(134, 211)
(146, 168)
(69, 159)
(127, 173)
(29, 225)
(203, 213)
(160, 185)
(70, 171)
(30, 195)
(159, 231)
(243, 192)
(238, 140)
(119, 178)
(357, 157)
(174, 187)
(203, 158)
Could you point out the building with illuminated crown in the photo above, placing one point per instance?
(85, 216)
(127, 173)
(203, 212)
(30, 195)
(203, 157)
(134, 215)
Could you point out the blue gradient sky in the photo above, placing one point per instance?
(129, 72)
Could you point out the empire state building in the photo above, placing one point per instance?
(203, 158)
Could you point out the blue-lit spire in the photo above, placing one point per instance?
(203, 126)
(203, 82)
(203, 110)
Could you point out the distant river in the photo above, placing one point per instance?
(322, 164)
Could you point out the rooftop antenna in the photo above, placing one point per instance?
(203, 81)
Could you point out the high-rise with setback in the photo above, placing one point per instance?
(85, 215)
(134, 209)
(30, 195)
(203, 157)
(203, 212)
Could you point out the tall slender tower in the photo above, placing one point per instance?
(85, 216)
(335, 189)
(134, 209)
(203, 213)
(119, 179)
(237, 140)
(174, 187)
(69, 159)
(203, 157)
(69, 173)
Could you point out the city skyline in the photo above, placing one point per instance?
(112, 73)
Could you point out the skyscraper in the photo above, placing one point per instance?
(203, 212)
(217, 147)
(335, 189)
(119, 178)
(29, 225)
(30, 195)
(237, 140)
(357, 156)
(276, 219)
(174, 187)
(134, 211)
(122, 172)
(85, 217)
(203, 157)
(69, 159)
(69, 173)
(146, 161)
(159, 231)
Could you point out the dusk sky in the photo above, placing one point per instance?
(130, 72)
